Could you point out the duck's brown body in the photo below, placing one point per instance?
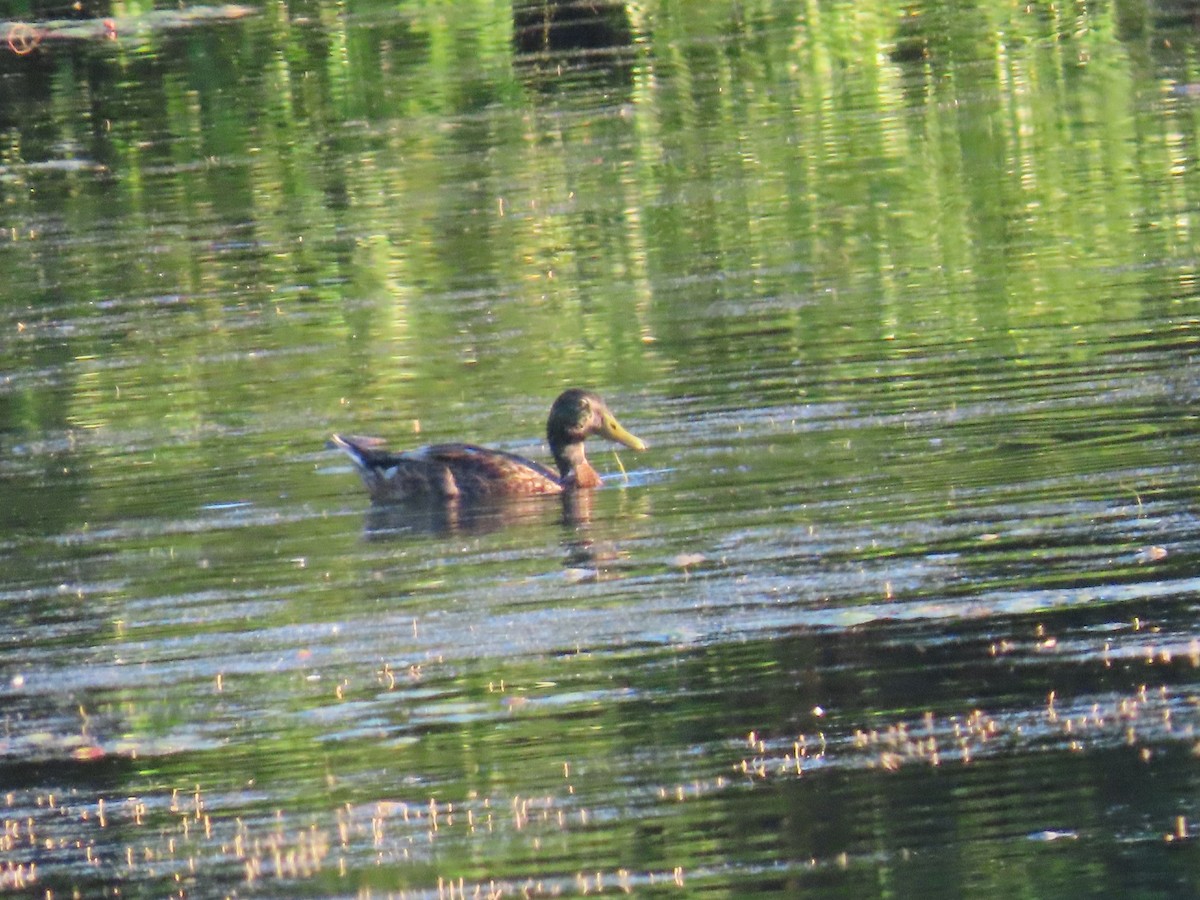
(445, 472)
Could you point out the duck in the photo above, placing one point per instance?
(467, 472)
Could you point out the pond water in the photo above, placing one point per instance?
(900, 601)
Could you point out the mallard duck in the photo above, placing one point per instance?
(467, 472)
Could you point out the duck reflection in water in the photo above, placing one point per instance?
(449, 487)
(585, 557)
(386, 521)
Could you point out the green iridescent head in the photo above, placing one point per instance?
(575, 416)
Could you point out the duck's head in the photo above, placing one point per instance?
(575, 416)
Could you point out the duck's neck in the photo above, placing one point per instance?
(573, 468)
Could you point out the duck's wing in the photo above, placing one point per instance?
(483, 472)
(444, 471)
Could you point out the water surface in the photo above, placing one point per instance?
(900, 602)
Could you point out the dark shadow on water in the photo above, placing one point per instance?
(565, 26)
(557, 41)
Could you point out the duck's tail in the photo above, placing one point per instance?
(361, 450)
